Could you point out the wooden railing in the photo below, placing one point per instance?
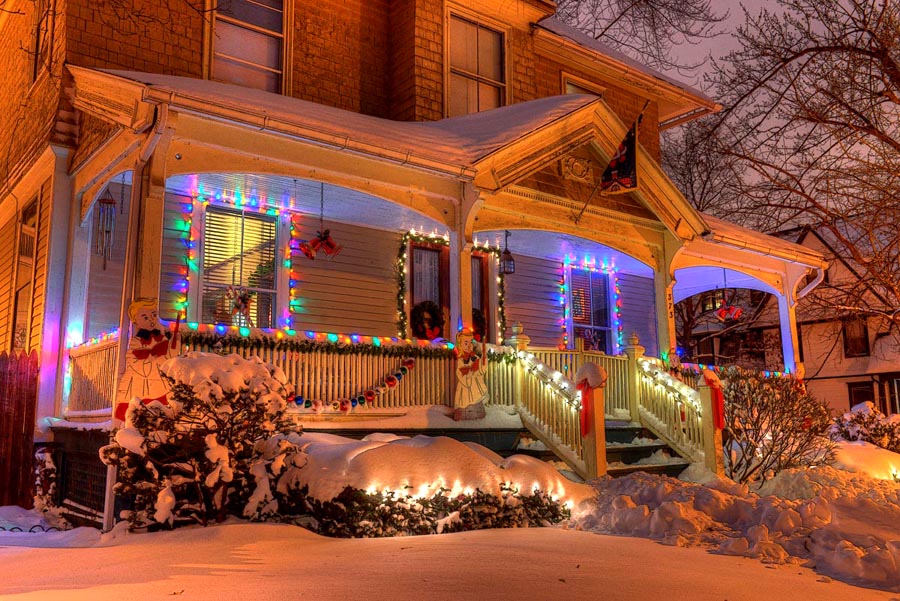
(330, 375)
(93, 370)
(671, 410)
(568, 363)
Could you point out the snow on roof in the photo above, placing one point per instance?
(457, 140)
(735, 235)
(554, 25)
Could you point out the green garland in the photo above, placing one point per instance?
(402, 256)
(313, 346)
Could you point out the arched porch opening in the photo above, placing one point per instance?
(726, 316)
(572, 292)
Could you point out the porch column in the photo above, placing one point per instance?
(665, 310)
(787, 314)
(52, 351)
(461, 273)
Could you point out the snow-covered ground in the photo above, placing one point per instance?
(806, 534)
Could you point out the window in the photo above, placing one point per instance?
(40, 47)
(572, 85)
(477, 79)
(861, 392)
(248, 43)
(893, 396)
(800, 342)
(429, 290)
(24, 278)
(590, 309)
(856, 338)
(238, 270)
(713, 300)
(480, 306)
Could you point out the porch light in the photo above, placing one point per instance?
(507, 263)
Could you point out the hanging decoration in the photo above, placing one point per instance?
(729, 313)
(361, 399)
(323, 240)
(106, 226)
(240, 302)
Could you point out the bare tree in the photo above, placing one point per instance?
(645, 29)
(813, 114)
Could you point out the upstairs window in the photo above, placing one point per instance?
(24, 278)
(248, 43)
(590, 309)
(477, 78)
(856, 338)
(238, 272)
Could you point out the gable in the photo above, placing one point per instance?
(575, 176)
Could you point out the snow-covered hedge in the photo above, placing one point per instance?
(771, 424)
(208, 451)
(865, 422)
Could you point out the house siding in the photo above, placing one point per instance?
(8, 257)
(105, 291)
(354, 292)
(41, 252)
(638, 312)
(532, 298)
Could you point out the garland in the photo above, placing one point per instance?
(210, 340)
(387, 383)
(401, 267)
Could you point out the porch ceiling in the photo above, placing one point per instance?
(340, 204)
(558, 247)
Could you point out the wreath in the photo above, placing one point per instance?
(417, 320)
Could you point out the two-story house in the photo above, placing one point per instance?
(198, 155)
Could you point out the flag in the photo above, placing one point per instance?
(621, 173)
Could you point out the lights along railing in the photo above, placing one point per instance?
(568, 362)
(671, 409)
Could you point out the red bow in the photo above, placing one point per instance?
(587, 407)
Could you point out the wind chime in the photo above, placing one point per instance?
(106, 224)
(323, 240)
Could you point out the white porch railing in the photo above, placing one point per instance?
(328, 375)
(568, 363)
(93, 371)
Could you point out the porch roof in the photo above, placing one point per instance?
(731, 234)
(451, 145)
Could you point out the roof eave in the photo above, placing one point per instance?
(691, 105)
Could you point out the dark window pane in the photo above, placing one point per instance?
(264, 14)
(490, 54)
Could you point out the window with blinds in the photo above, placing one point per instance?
(590, 308)
(248, 43)
(238, 271)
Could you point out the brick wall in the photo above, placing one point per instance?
(626, 105)
(29, 105)
(341, 50)
(154, 37)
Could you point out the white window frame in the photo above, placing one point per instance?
(195, 305)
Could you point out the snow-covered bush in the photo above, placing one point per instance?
(865, 422)
(45, 493)
(211, 449)
(771, 424)
(357, 513)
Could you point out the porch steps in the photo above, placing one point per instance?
(632, 448)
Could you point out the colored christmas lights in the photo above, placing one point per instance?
(590, 264)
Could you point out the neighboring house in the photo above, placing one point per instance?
(848, 358)
(193, 156)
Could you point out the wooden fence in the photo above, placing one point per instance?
(18, 400)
